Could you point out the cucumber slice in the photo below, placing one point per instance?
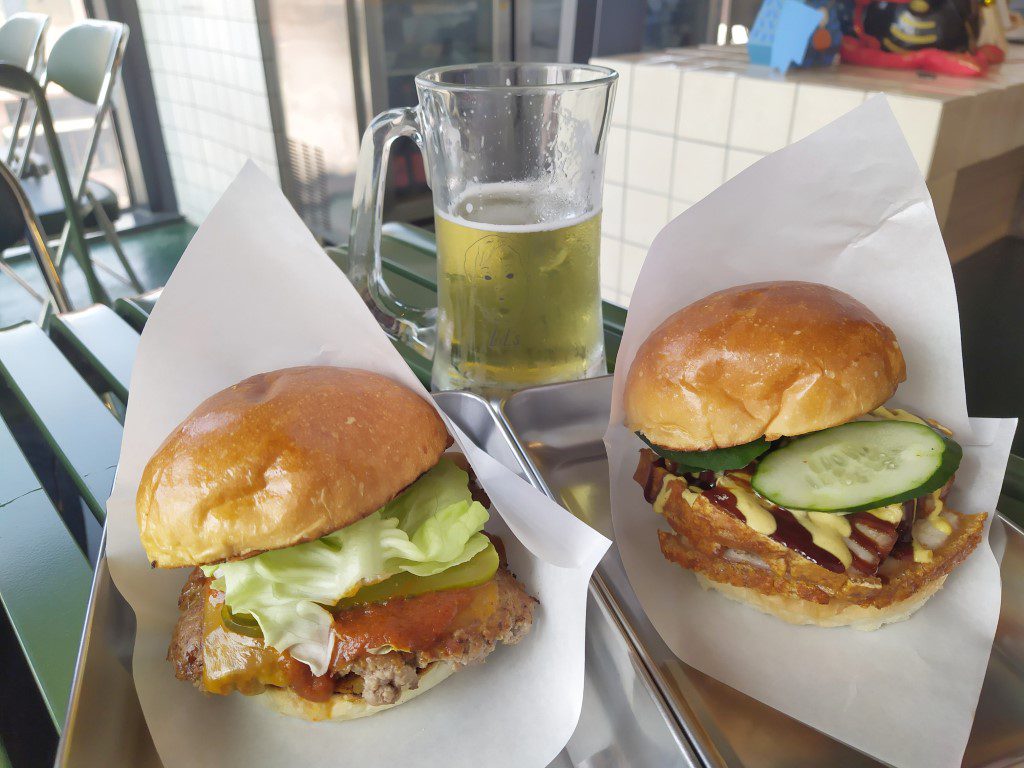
(734, 457)
(857, 466)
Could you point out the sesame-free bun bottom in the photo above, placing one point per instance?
(793, 610)
(342, 706)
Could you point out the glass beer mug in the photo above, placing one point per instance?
(514, 155)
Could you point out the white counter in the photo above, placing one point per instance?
(685, 120)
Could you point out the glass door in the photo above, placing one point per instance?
(398, 40)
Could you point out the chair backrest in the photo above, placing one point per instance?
(21, 40)
(85, 59)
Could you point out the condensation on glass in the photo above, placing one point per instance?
(515, 160)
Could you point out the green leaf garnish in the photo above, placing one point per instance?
(734, 457)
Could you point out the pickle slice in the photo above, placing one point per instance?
(478, 570)
(240, 623)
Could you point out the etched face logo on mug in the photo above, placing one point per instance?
(495, 268)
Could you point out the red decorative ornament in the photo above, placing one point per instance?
(929, 35)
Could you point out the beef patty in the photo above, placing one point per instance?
(380, 649)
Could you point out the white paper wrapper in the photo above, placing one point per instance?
(253, 293)
(845, 207)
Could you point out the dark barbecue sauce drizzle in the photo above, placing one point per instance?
(904, 547)
(878, 543)
(704, 480)
(788, 530)
(655, 479)
(790, 533)
(724, 499)
(653, 470)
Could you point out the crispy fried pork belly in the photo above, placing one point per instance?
(708, 539)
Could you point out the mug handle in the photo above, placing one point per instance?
(413, 325)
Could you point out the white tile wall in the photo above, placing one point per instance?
(211, 94)
(620, 107)
(649, 163)
(644, 216)
(681, 128)
(737, 160)
(698, 169)
(632, 261)
(615, 155)
(685, 121)
(919, 119)
(611, 212)
(762, 114)
(819, 105)
(655, 96)
(676, 207)
(706, 106)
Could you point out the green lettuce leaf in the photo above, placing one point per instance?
(717, 460)
(432, 526)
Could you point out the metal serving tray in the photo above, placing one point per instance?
(625, 721)
(559, 428)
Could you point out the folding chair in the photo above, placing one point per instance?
(22, 39)
(16, 80)
(13, 196)
(85, 62)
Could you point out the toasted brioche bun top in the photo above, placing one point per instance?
(281, 458)
(771, 359)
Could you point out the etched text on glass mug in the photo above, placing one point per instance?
(515, 156)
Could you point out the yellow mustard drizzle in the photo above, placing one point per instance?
(750, 506)
(891, 513)
(923, 554)
(935, 519)
(827, 531)
(666, 486)
(897, 414)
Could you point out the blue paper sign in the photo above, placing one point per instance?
(797, 23)
(782, 34)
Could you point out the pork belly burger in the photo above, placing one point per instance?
(339, 561)
(787, 483)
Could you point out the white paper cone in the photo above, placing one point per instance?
(846, 207)
(254, 293)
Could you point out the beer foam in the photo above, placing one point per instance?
(502, 204)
